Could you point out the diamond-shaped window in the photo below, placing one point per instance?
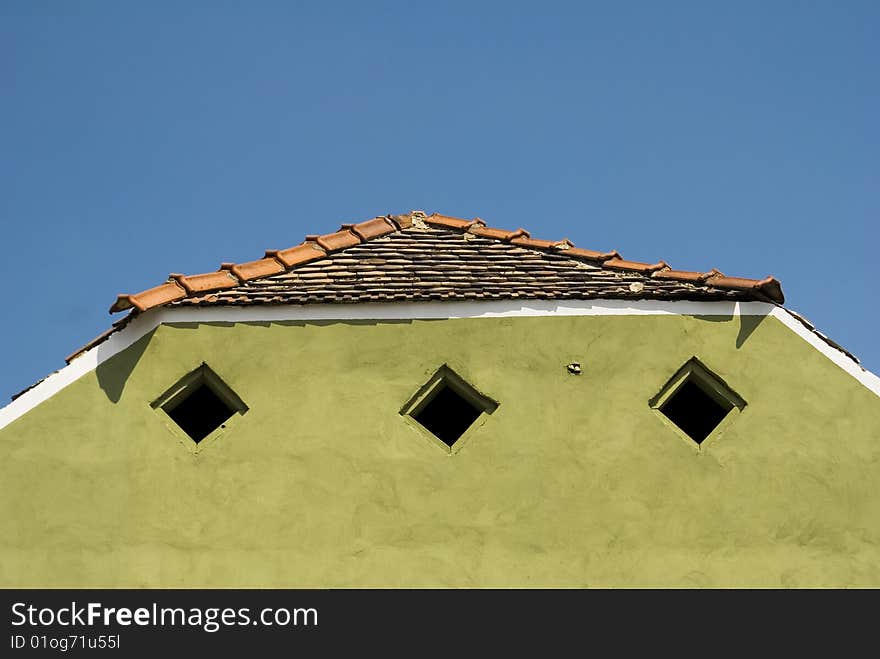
(200, 403)
(447, 407)
(696, 401)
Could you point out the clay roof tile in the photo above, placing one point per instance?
(338, 240)
(634, 266)
(254, 269)
(401, 221)
(683, 275)
(302, 253)
(209, 281)
(524, 241)
(489, 232)
(206, 288)
(591, 255)
(445, 221)
(769, 286)
(152, 297)
(378, 226)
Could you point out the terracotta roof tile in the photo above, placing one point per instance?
(738, 283)
(452, 222)
(770, 286)
(152, 297)
(489, 232)
(524, 241)
(443, 263)
(308, 251)
(378, 226)
(686, 275)
(634, 266)
(422, 257)
(254, 269)
(333, 241)
(402, 221)
(210, 281)
(591, 255)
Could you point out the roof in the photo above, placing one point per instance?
(419, 257)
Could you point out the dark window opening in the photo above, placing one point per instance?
(448, 407)
(201, 413)
(694, 411)
(199, 403)
(448, 415)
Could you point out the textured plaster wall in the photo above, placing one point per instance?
(573, 481)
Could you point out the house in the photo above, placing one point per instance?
(420, 400)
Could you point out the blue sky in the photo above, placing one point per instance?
(138, 139)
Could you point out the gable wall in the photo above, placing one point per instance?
(574, 480)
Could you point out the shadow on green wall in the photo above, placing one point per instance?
(747, 325)
(114, 373)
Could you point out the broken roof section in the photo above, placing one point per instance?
(419, 257)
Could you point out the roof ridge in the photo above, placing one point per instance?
(314, 247)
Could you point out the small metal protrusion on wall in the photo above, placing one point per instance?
(574, 368)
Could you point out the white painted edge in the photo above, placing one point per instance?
(146, 322)
(458, 309)
(864, 376)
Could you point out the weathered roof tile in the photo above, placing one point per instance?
(591, 255)
(378, 226)
(152, 297)
(684, 275)
(423, 257)
(334, 241)
(452, 222)
(293, 256)
(209, 281)
(254, 269)
(634, 266)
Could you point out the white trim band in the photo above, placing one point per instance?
(840, 358)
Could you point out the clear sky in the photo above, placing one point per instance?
(142, 138)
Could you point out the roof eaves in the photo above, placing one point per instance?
(809, 325)
(103, 336)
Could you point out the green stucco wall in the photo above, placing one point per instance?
(573, 481)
